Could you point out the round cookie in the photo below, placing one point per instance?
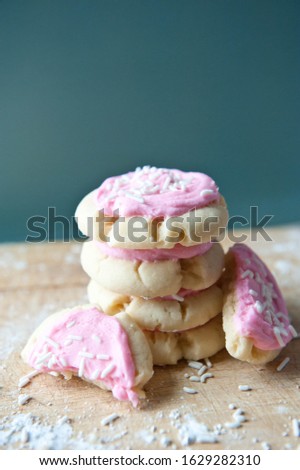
(110, 352)
(155, 278)
(255, 317)
(197, 343)
(153, 208)
(161, 314)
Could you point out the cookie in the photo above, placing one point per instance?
(255, 317)
(181, 313)
(155, 278)
(110, 352)
(153, 208)
(194, 344)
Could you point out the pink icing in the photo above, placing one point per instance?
(155, 192)
(97, 334)
(261, 310)
(178, 252)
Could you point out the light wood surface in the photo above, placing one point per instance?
(37, 280)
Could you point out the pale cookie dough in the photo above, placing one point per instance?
(197, 343)
(209, 223)
(255, 317)
(155, 278)
(68, 342)
(161, 314)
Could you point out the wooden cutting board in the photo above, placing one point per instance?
(36, 280)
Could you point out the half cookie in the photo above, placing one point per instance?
(164, 314)
(255, 317)
(110, 352)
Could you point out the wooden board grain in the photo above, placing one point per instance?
(36, 280)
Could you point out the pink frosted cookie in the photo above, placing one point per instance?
(255, 317)
(110, 352)
(158, 196)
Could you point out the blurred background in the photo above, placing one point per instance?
(94, 88)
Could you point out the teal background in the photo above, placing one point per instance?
(92, 88)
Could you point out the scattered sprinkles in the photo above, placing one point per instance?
(245, 388)
(195, 364)
(189, 390)
(206, 376)
(109, 419)
(283, 364)
(23, 399)
(296, 427)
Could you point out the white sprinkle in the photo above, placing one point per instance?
(75, 338)
(203, 377)
(233, 425)
(282, 364)
(96, 338)
(71, 323)
(109, 419)
(52, 361)
(186, 376)
(81, 367)
(68, 342)
(103, 357)
(245, 388)
(23, 381)
(206, 192)
(189, 390)
(22, 399)
(253, 293)
(107, 371)
(136, 198)
(195, 378)
(178, 297)
(247, 261)
(86, 354)
(43, 357)
(24, 436)
(195, 364)
(278, 336)
(293, 331)
(296, 427)
(259, 306)
(26, 378)
(63, 362)
(238, 417)
(208, 363)
(95, 374)
(266, 446)
(202, 370)
(166, 183)
(232, 406)
(51, 342)
(247, 273)
(54, 373)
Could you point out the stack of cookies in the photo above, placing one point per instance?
(153, 253)
(155, 267)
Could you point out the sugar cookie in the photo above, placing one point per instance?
(155, 278)
(161, 314)
(153, 208)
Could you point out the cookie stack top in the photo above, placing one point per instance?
(154, 208)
